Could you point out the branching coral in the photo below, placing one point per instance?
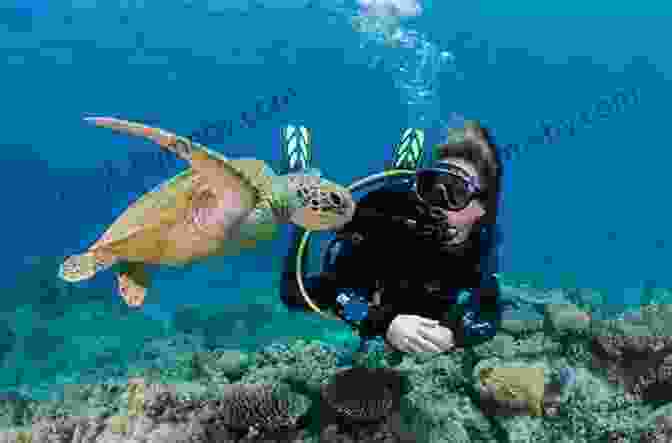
(310, 364)
(268, 407)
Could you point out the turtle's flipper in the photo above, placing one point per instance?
(179, 146)
(82, 266)
(133, 281)
(227, 181)
(408, 153)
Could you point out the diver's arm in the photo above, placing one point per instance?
(482, 315)
(381, 215)
(333, 292)
(330, 295)
(339, 284)
(372, 219)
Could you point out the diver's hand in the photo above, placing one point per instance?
(412, 333)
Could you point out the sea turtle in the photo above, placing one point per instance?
(217, 207)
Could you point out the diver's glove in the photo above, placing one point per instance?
(412, 333)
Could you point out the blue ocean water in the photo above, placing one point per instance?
(590, 208)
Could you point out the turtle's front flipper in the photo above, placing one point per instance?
(179, 146)
(217, 169)
(133, 281)
(233, 187)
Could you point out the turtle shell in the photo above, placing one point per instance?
(176, 200)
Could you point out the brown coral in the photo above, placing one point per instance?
(363, 394)
(641, 364)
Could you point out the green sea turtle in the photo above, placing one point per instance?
(217, 207)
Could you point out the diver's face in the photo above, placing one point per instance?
(458, 225)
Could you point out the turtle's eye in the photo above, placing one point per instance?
(336, 199)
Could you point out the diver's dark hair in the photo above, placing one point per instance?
(474, 144)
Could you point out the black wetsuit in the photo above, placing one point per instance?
(415, 275)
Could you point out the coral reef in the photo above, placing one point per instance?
(603, 380)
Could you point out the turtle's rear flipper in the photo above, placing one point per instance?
(133, 281)
(81, 267)
(408, 153)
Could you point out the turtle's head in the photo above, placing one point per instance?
(318, 204)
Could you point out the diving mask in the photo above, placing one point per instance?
(448, 187)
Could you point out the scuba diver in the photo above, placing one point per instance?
(417, 263)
